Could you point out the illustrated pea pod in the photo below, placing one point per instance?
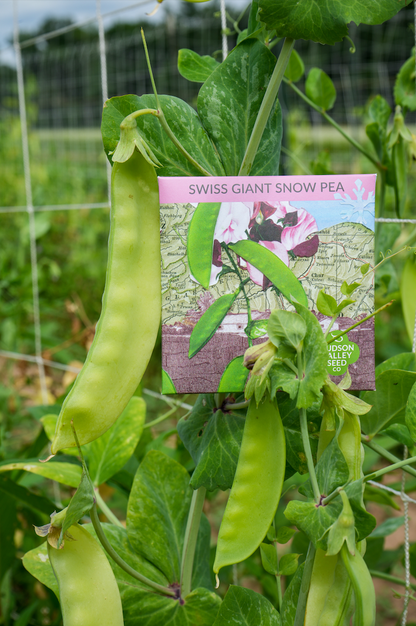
(127, 329)
(88, 591)
(257, 485)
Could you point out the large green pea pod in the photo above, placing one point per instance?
(88, 591)
(257, 485)
(127, 329)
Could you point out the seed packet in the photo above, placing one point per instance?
(235, 248)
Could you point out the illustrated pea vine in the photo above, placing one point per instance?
(292, 428)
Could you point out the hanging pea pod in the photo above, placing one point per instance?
(127, 329)
(364, 594)
(88, 591)
(399, 139)
(257, 485)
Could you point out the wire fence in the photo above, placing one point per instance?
(60, 92)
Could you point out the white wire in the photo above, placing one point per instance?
(29, 206)
(224, 30)
(104, 80)
(406, 543)
(55, 207)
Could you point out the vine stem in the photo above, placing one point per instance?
(333, 123)
(304, 587)
(392, 579)
(266, 107)
(305, 438)
(121, 562)
(347, 330)
(385, 454)
(191, 535)
(241, 286)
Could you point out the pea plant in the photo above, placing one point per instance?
(295, 449)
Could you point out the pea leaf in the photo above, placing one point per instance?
(320, 89)
(200, 241)
(315, 355)
(109, 453)
(213, 440)
(389, 401)
(288, 564)
(23, 495)
(206, 326)
(194, 67)
(387, 527)
(268, 556)
(184, 123)
(245, 607)
(65, 473)
(37, 563)
(157, 513)
(295, 68)
(323, 22)
(410, 413)
(404, 87)
(167, 383)
(404, 361)
(272, 267)
(228, 104)
(295, 453)
(286, 328)
(8, 526)
(290, 598)
(234, 376)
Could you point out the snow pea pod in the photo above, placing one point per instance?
(257, 485)
(88, 591)
(364, 594)
(129, 322)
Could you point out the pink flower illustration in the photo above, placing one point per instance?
(233, 221)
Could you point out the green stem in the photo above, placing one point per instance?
(278, 578)
(331, 121)
(191, 535)
(236, 405)
(242, 283)
(161, 418)
(266, 107)
(305, 439)
(390, 578)
(330, 325)
(106, 509)
(347, 330)
(121, 562)
(304, 587)
(385, 454)
(390, 468)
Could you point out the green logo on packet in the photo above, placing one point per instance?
(341, 354)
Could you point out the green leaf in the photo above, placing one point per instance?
(387, 527)
(288, 564)
(213, 439)
(245, 607)
(408, 293)
(295, 68)
(272, 267)
(200, 241)
(268, 556)
(65, 473)
(404, 87)
(206, 326)
(194, 67)
(326, 304)
(228, 104)
(234, 376)
(347, 289)
(286, 329)
(400, 433)
(182, 120)
(37, 563)
(167, 383)
(81, 503)
(404, 361)
(23, 495)
(410, 413)
(157, 514)
(108, 454)
(323, 22)
(284, 534)
(257, 329)
(389, 401)
(315, 356)
(320, 89)
(290, 598)
(379, 111)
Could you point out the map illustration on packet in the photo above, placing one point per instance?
(235, 248)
